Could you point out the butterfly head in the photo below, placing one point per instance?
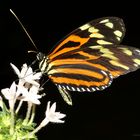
(43, 62)
(40, 56)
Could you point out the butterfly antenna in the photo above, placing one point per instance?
(45, 82)
(23, 28)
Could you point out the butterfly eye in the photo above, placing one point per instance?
(40, 56)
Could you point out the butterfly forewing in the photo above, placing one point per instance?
(103, 31)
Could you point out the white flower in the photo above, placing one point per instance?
(27, 74)
(52, 116)
(29, 95)
(27, 87)
(10, 94)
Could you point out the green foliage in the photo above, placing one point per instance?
(20, 130)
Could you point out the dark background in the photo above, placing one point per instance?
(112, 113)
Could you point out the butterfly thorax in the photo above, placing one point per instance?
(43, 62)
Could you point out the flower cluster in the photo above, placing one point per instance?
(26, 89)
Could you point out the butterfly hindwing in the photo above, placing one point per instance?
(94, 68)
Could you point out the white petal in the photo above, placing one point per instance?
(9, 93)
(37, 102)
(30, 95)
(53, 107)
(60, 115)
(21, 82)
(32, 82)
(48, 108)
(5, 92)
(53, 116)
(33, 99)
(15, 69)
(23, 70)
(13, 88)
(29, 72)
(34, 89)
(37, 76)
(22, 90)
(58, 121)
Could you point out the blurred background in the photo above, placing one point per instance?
(112, 113)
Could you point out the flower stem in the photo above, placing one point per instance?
(33, 114)
(36, 130)
(19, 106)
(12, 121)
(28, 112)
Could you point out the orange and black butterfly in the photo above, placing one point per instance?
(90, 57)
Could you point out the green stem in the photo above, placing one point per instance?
(12, 126)
(35, 131)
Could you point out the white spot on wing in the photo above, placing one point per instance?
(103, 42)
(95, 47)
(73, 89)
(118, 39)
(96, 35)
(63, 87)
(88, 90)
(137, 61)
(59, 86)
(103, 87)
(136, 65)
(93, 89)
(111, 76)
(78, 89)
(109, 24)
(93, 30)
(118, 64)
(68, 87)
(126, 51)
(137, 51)
(110, 82)
(103, 72)
(118, 33)
(83, 89)
(97, 88)
(84, 27)
(104, 21)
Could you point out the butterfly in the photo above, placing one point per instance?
(90, 57)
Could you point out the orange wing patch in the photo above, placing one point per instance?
(72, 38)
